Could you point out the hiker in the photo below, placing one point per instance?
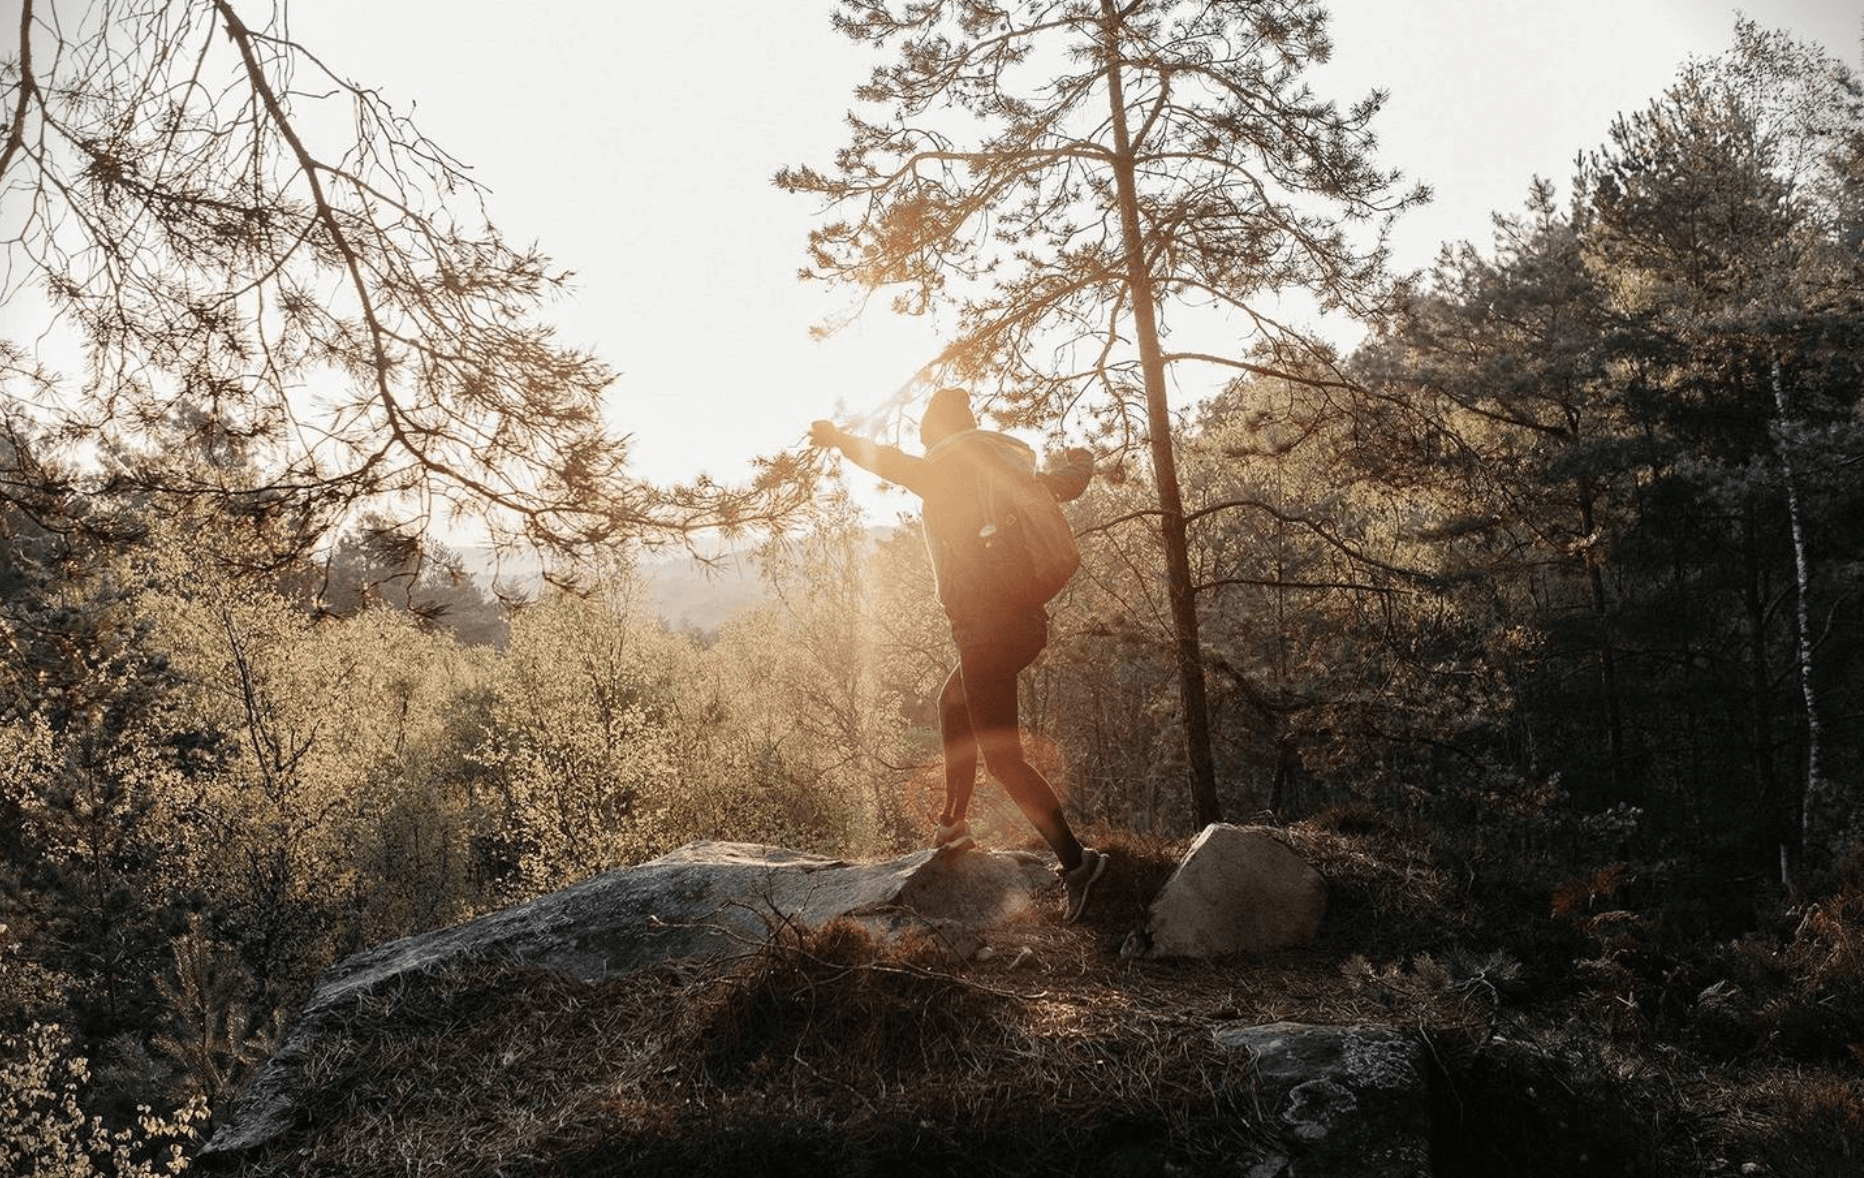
(1000, 627)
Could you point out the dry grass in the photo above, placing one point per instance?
(825, 1044)
(827, 1051)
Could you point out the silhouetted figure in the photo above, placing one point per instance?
(1000, 625)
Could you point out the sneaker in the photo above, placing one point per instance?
(1079, 882)
(953, 837)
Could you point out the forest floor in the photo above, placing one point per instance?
(1563, 1040)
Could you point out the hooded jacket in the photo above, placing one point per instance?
(947, 480)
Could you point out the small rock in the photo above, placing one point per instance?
(1237, 890)
(1348, 1100)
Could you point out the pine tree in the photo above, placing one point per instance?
(1078, 179)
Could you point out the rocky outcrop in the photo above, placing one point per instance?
(1237, 890)
(705, 900)
(1331, 1102)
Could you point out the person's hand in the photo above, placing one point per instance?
(824, 433)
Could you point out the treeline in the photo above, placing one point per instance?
(1577, 534)
(1564, 561)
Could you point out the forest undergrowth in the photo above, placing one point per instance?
(1568, 1036)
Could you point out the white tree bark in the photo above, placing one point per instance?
(1825, 823)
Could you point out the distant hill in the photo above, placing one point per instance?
(684, 591)
(689, 595)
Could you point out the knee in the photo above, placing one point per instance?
(1003, 756)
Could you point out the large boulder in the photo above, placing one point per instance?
(707, 899)
(1341, 1100)
(1237, 890)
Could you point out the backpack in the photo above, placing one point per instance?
(1024, 544)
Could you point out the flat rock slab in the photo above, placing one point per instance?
(1347, 1101)
(707, 899)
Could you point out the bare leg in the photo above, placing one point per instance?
(954, 721)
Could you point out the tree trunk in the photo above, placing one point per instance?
(1204, 806)
(1826, 816)
(1608, 657)
(1760, 679)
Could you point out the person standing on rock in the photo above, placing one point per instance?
(999, 626)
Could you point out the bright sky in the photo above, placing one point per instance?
(635, 143)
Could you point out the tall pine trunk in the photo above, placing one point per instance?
(1179, 590)
(1608, 656)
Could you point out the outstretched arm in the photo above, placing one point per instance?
(889, 462)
